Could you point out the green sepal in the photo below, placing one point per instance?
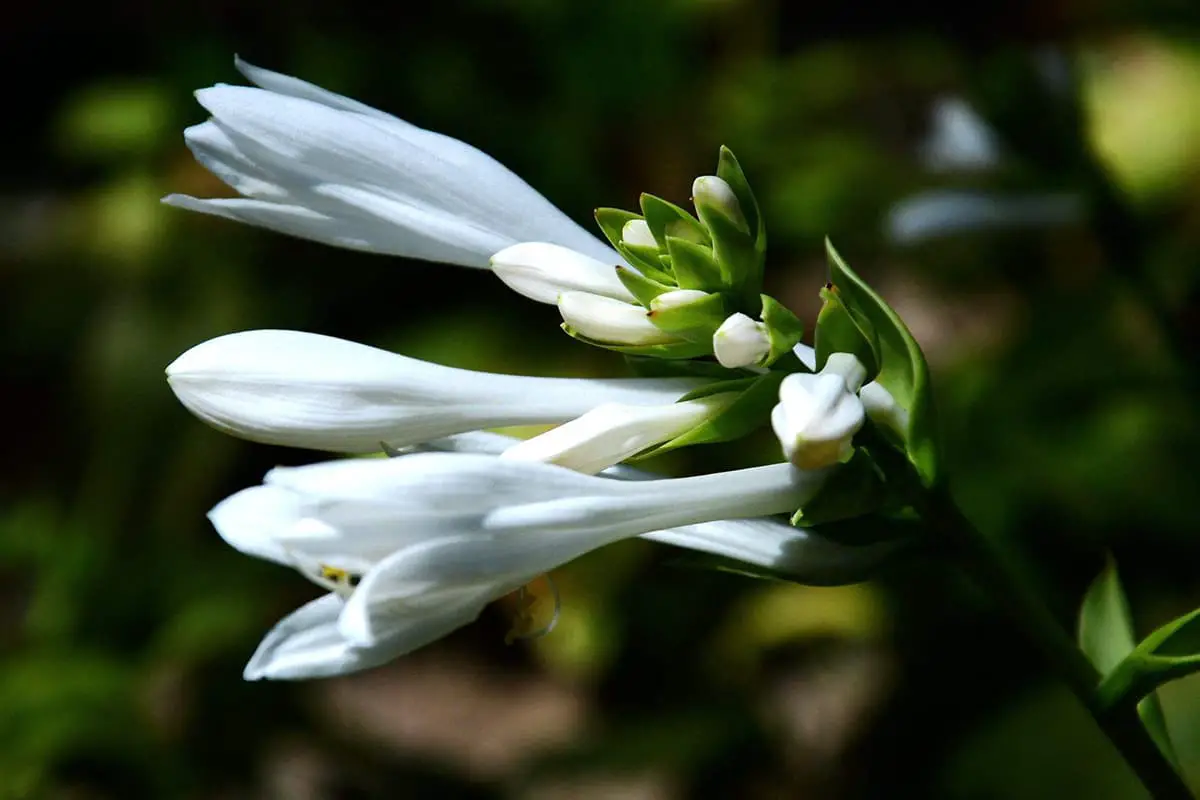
(612, 223)
(855, 488)
(838, 332)
(667, 219)
(695, 321)
(650, 367)
(784, 329)
(1106, 636)
(646, 260)
(733, 248)
(641, 287)
(747, 413)
(680, 349)
(902, 367)
(730, 171)
(694, 265)
(1171, 652)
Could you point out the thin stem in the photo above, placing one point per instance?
(995, 569)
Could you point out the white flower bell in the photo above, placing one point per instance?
(741, 342)
(818, 415)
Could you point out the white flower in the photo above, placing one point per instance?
(741, 342)
(314, 164)
(677, 298)
(819, 414)
(543, 271)
(307, 390)
(418, 545)
(613, 432)
(609, 321)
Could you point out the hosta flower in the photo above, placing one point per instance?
(419, 544)
(609, 321)
(314, 164)
(819, 414)
(307, 390)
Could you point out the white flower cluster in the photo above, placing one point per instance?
(414, 546)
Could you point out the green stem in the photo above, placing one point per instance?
(995, 569)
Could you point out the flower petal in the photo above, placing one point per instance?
(542, 271)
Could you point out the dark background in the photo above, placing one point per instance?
(1063, 342)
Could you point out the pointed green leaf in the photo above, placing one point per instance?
(667, 219)
(1105, 624)
(838, 332)
(784, 329)
(750, 411)
(641, 287)
(902, 368)
(681, 349)
(694, 265)
(730, 171)
(646, 261)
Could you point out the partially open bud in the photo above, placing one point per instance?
(608, 321)
(711, 192)
(637, 233)
(542, 271)
(613, 432)
(741, 342)
(818, 415)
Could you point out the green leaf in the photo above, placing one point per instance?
(902, 368)
(681, 349)
(667, 219)
(646, 260)
(641, 287)
(837, 332)
(694, 265)
(854, 489)
(1106, 636)
(730, 171)
(784, 329)
(1105, 624)
(750, 411)
(695, 321)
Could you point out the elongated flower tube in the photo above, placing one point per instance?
(543, 271)
(611, 433)
(307, 390)
(314, 164)
(419, 544)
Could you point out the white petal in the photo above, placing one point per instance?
(252, 520)
(290, 219)
(542, 271)
(308, 390)
(741, 342)
(610, 321)
(806, 354)
(308, 643)
(940, 213)
(309, 142)
(294, 87)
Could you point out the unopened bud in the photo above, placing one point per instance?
(818, 415)
(741, 342)
(709, 191)
(637, 234)
(542, 271)
(609, 321)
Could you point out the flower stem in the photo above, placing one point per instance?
(994, 568)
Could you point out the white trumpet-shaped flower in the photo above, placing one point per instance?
(314, 164)
(543, 271)
(613, 432)
(818, 415)
(419, 544)
(314, 391)
(741, 342)
(610, 321)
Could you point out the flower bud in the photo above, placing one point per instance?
(818, 415)
(609, 321)
(637, 233)
(711, 192)
(542, 271)
(679, 298)
(883, 409)
(741, 342)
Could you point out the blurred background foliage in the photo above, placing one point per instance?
(1022, 181)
